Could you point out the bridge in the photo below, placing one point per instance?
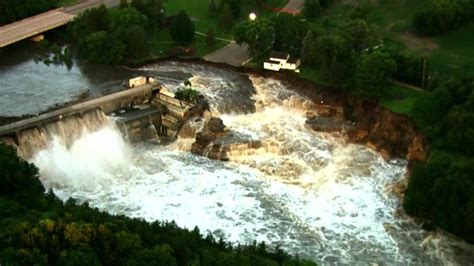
(38, 24)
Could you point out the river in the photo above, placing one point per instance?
(308, 192)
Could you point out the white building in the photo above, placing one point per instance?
(280, 60)
(139, 81)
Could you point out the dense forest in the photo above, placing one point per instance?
(13, 10)
(111, 35)
(443, 16)
(442, 189)
(38, 229)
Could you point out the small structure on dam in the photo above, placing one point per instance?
(144, 111)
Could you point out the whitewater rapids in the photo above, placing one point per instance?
(310, 193)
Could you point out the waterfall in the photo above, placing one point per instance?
(191, 127)
(66, 130)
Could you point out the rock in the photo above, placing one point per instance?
(215, 125)
(216, 142)
(204, 139)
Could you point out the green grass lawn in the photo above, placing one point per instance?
(399, 99)
(456, 52)
(313, 75)
(396, 98)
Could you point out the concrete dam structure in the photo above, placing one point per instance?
(144, 111)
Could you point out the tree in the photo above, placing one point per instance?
(233, 5)
(327, 49)
(358, 35)
(134, 40)
(91, 20)
(442, 16)
(311, 8)
(324, 3)
(259, 4)
(210, 38)
(102, 48)
(11, 10)
(126, 18)
(154, 11)
(123, 4)
(308, 50)
(289, 33)
(73, 257)
(372, 73)
(225, 18)
(259, 35)
(18, 179)
(138, 5)
(212, 9)
(182, 29)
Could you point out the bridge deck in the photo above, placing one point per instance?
(74, 109)
(32, 26)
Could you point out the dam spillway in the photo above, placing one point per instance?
(140, 112)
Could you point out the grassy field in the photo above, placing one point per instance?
(313, 75)
(456, 52)
(399, 99)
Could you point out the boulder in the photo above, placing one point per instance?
(215, 125)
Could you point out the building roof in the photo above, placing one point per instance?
(272, 61)
(292, 60)
(279, 55)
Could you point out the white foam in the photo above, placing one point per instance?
(317, 196)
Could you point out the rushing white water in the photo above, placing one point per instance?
(310, 193)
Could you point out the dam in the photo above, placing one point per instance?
(144, 111)
(309, 192)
